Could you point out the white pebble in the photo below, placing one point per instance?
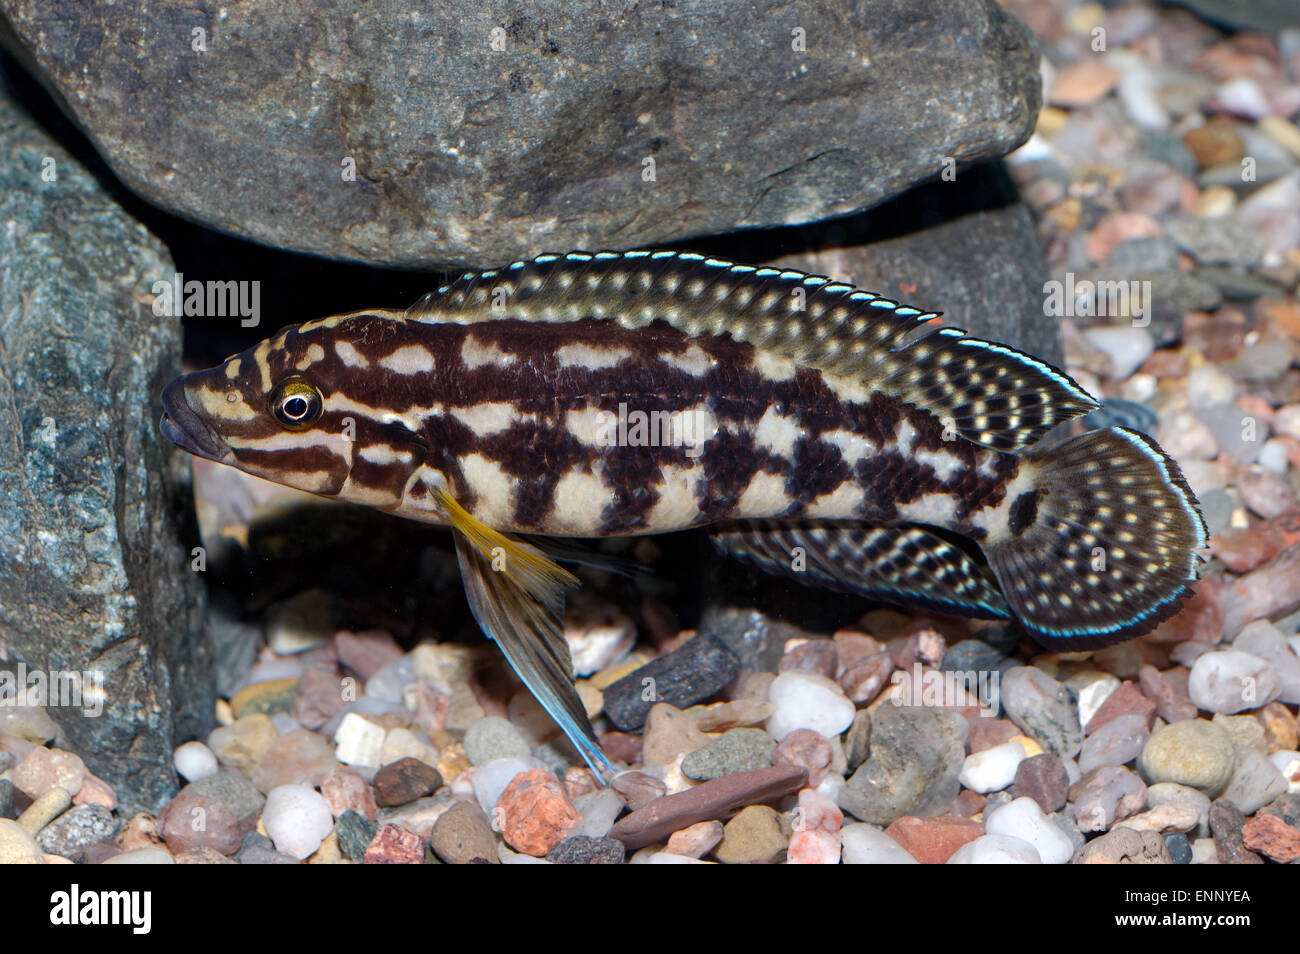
(508, 857)
(864, 844)
(996, 850)
(1287, 420)
(1231, 681)
(667, 858)
(1023, 819)
(598, 635)
(285, 723)
(1273, 457)
(156, 855)
(297, 819)
(390, 680)
(1261, 638)
(1126, 346)
(805, 700)
(598, 810)
(992, 769)
(1137, 94)
(1092, 687)
(1288, 763)
(1210, 386)
(358, 741)
(194, 761)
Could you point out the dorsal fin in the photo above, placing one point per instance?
(992, 394)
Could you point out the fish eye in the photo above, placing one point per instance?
(296, 404)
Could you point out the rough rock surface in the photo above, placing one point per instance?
(462, 133)
(94, 576)
(964, 247)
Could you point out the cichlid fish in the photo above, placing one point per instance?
(822, 432)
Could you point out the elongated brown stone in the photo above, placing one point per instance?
(706, 802)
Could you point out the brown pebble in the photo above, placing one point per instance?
(806, 748)
(1116, 227)
(990, 733)
(866, 678)
(1124, 846)
(707, 801)
(932, 841)
(669, 732)
(695, 841)
(141, 831)
(1126, 700)
(1082, 83)
(638, 789)
(319, 697)
(1280, 731)
(755, 836)
(1226, 825)
(621, 746)
(814, 655)
(203, 855)
(1171, 705)
(1044, 779)
(462, 835)
(344, 789)
(395, 846)
(1272, 837)
(853, 646)
(366, 653)
(403, 781)
(1214, 144)
(192, 821)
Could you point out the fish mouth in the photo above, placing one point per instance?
(184, 428)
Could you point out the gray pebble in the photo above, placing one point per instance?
(1179, 848)
(582, 850)
(916, 755)
(687, 675)
(354, 832)
(1118, 742)
(1044, 709)
(79, 826)
(231, 789)
(258, 850)
(1255, 781)
(493, 738)
(1193, 752)
(738, 750)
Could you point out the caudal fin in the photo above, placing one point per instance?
(1100, 542)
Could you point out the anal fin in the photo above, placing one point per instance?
(516, 594)
(902, 564)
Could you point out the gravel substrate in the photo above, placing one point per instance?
(1167, 160)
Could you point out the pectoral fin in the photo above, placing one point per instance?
(905, 564)
(517, 596)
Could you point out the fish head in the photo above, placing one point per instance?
(289, 411)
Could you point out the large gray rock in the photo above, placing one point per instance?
(466, 154)
(964, 246)
(93, 573)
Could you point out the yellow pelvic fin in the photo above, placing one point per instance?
(525, 566)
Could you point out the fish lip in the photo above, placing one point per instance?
(184, 428)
